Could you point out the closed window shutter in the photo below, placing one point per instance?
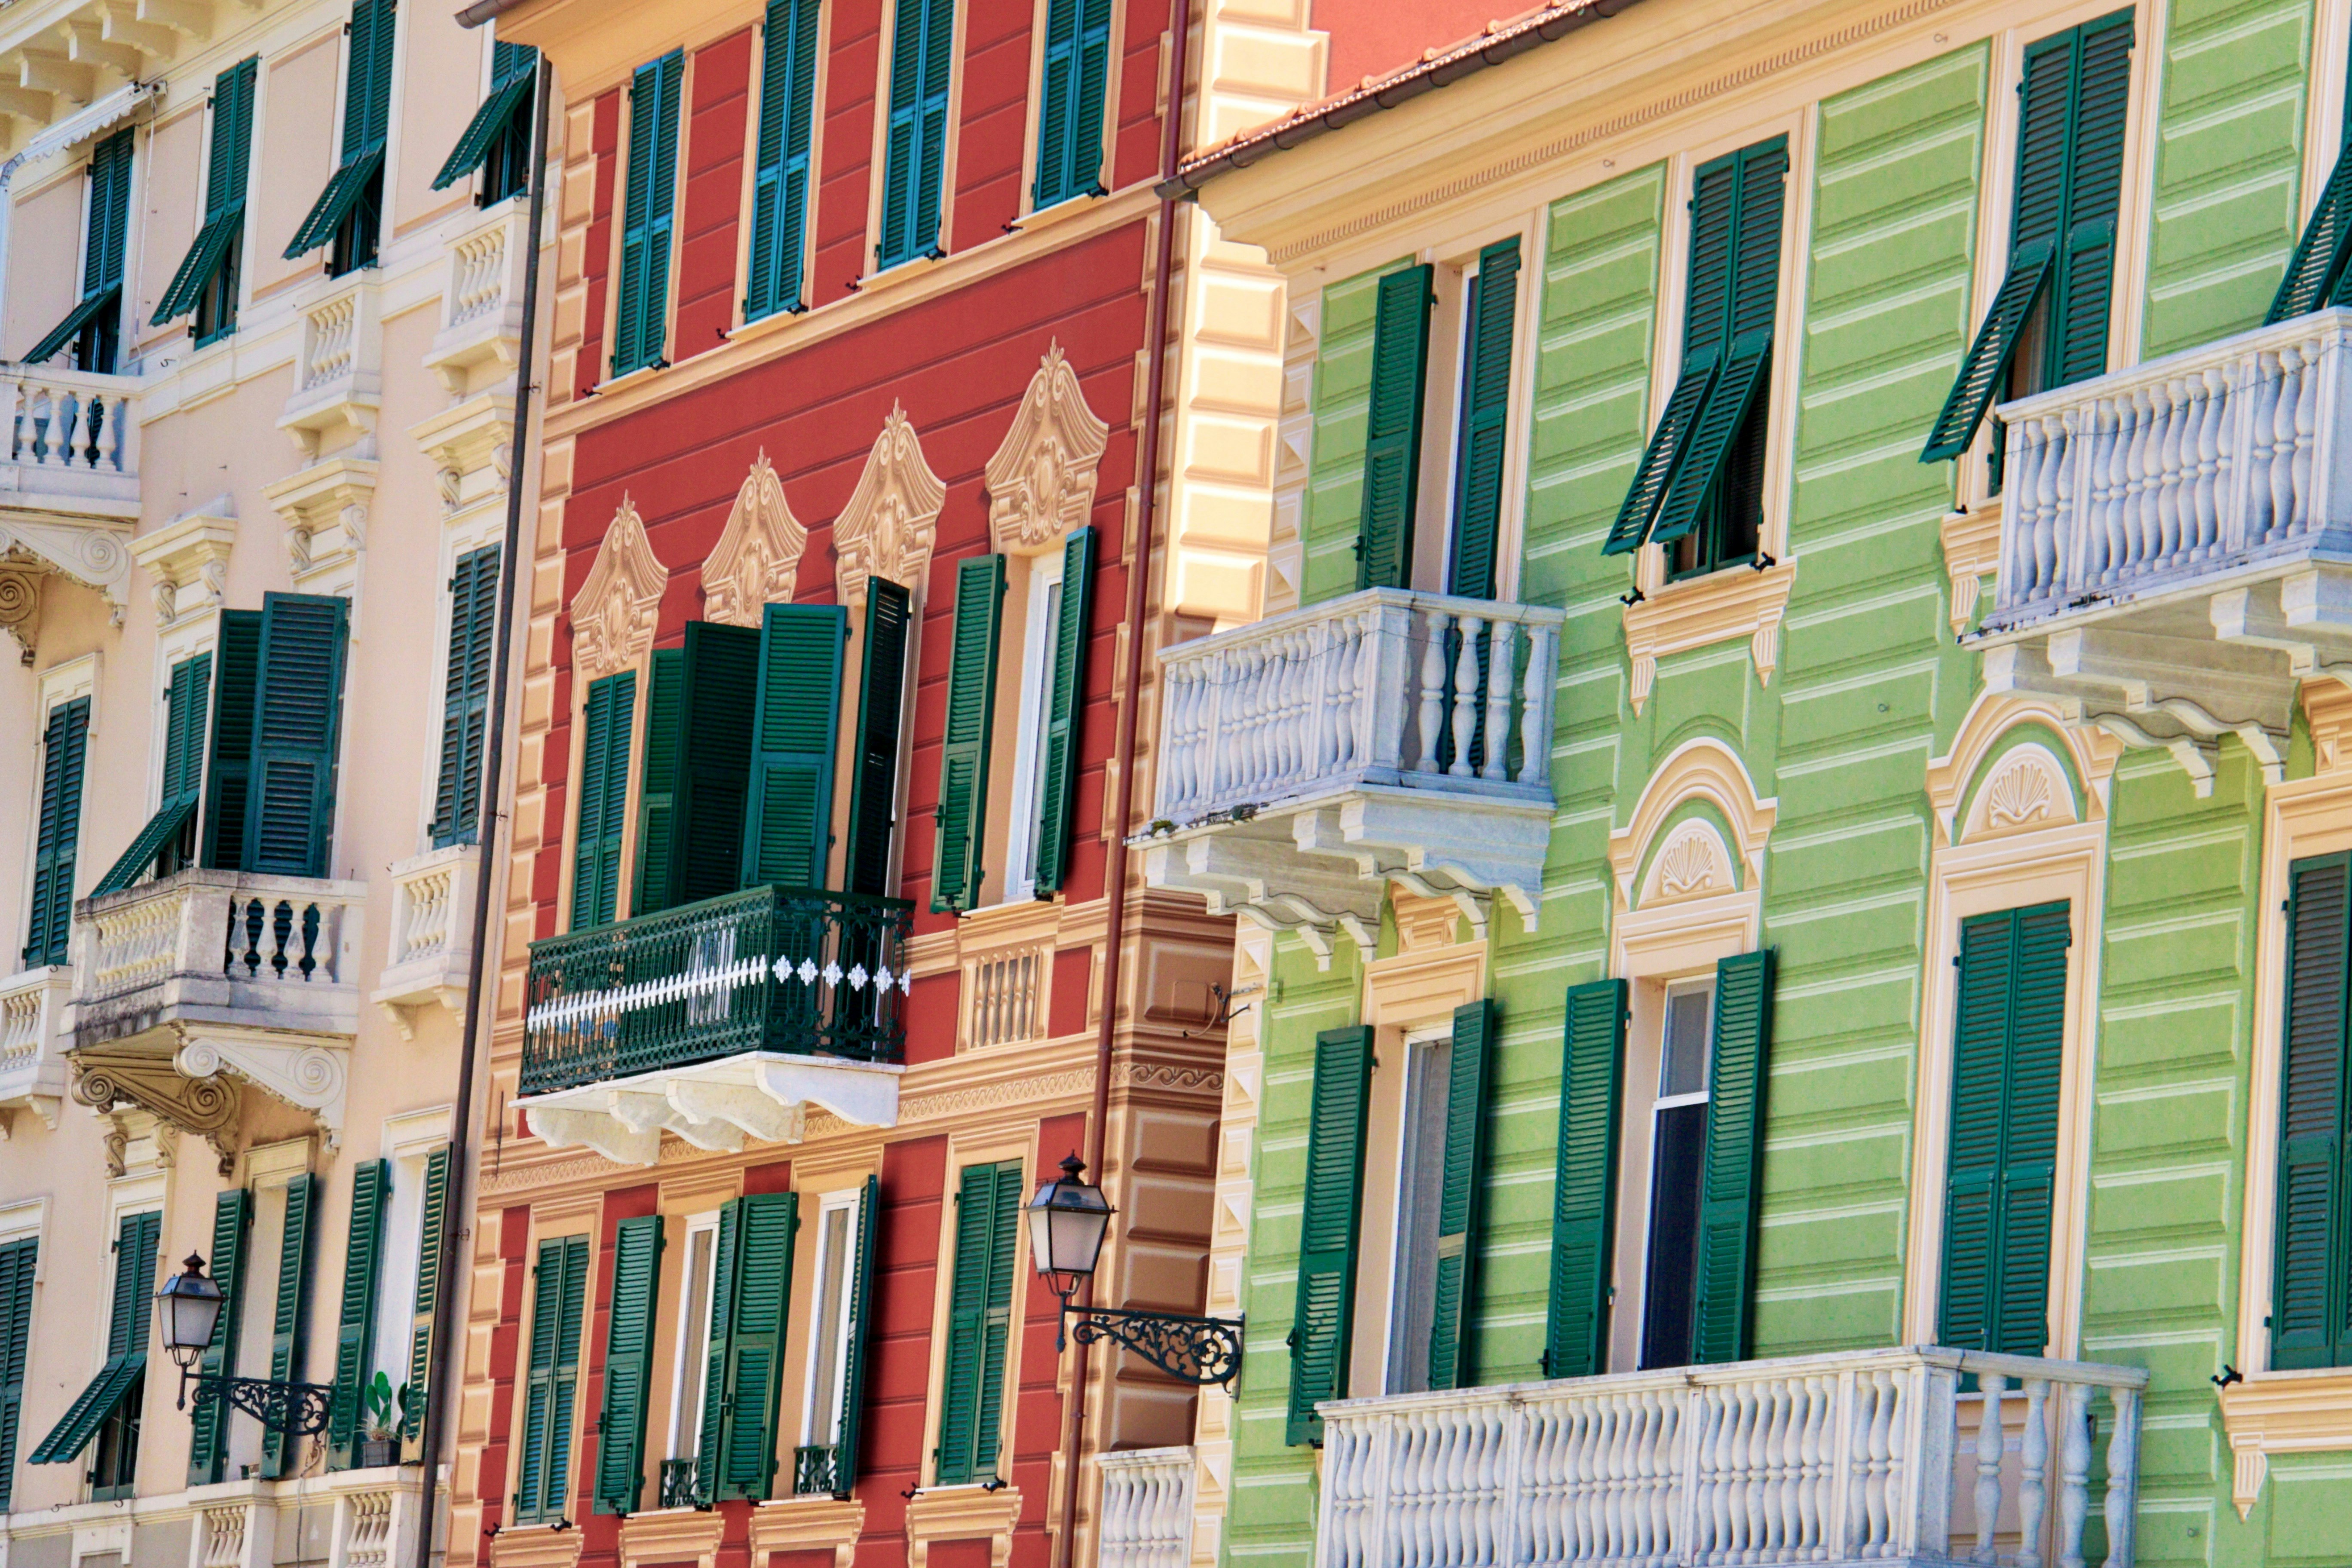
(648, 214)
(289, 808)
(853, 1381)
(962, 822)
(709, 1441)
(881, 701)
(557, 1309)
(432, 1240)
(767, 1224)
(1070, 102)
(159, 844)
(126, 1342)
(996, 1329)
(290, 1318)
(209, 1439)
(717, 700)
(513, 70)
(1486, 409)
(229, 773)
(1451, 1360)
(780, 184)
(225, 186)
(2087, 258)
(603, 799)
(922, 36)
(101, 267)
(17, 1265)
(796, 722)
(355, 1324)
(2029, 1160)
(628, 1364)
(987, 1202)
(1057, 797)
(1731, 1172)
(65, 748)
(1584, 1180)
(930, 165)
(2311, 1306)
(658, 867)
(466, 697)
(1325, 1313)
(1392, 429)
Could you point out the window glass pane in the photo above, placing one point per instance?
(1421, 1184)
(824, 1342)
(1671, 1287)
(694, 1337)
(1682, 1066)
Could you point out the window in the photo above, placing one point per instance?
(913, 164)
(19, 1262)
(640, 327)
(496, 141)
(1039, 657)
(293, 1210)
(1677, 1148)
(751, 1284)
(2311, 1296)
(603, 799)
(1070, 102)
(93, 327)
(349, 213)
(355, 1327)
(2048, 323)
(1490, 304)
(550, 1394)
(413, 1205)
(881, 706)
(980, 1324)
(630, 1300)
(826, 1461)
(779, 184)
(1699, 487)
(107, 1412)
(168, 842)
(65, 749)
(209, 1424)
(695, 1273)
(962, 819)
(209, 276)
(295, 721)
(466, 697)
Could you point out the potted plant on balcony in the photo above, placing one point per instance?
(381, 1444)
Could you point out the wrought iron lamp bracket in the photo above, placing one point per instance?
(296, 1409)
(1198, 1351)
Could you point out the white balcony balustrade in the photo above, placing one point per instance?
(1307, 759)
(1147, 1508)
(481, 304)
(369, 1519)
(32, 1045)
(70, 470)
(1872, 1456)
(2176, 549)
(432, 935)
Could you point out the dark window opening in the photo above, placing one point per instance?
(115, 1463)
(1733, 519)
(216, 307)
(506, 167)
(355, 237)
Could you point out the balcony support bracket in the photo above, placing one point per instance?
(115, 1075)
(762, 1096)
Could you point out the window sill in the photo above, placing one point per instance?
(1037, 218)
(808, 1524)
(1736, 601)
(671, 1535)
(898, 273)
(536, 1546)
(629, 378)
(2284, 1412)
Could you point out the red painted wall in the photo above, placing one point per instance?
(898, 1363)
(600, 1534)
(844, 250)
(711, 202)
(1373, 37)
(506, 1342)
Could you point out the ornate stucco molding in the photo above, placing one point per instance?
(757, 560)
(97, 555)
(20, 604)
(325, 509)
(107, 1076)
(892, 519)
(1041, 483)
(188, 558)
(615, 612)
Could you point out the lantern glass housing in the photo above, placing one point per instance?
(192, 1308)
(1067, 1219)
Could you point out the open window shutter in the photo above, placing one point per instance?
(603, 798)
(962, 821)
(162, 846)
(1486, 409)
(466, 697)
(208, 1440)
(2316, 271)
(1663, 455)
(725, 1266)
(355, 1326)
(628, 1364)
(18, 1266)
(557, 1313)
(2037, 1033)
(433, 1225)
(766, 1227)
(1392, 429)
(1732, 1171)
(717, 700)
(65, 746)
(225, 187)
(997, 1327)
(228, 777)
(1325, 1312)
(658, 867)
(2311, 1297)
(780, 184)
(1972, 1168)
(954, 1461)
(853, 1381)
(126, 1342)
(796, 722)
(291, 1315)
(1584, 1183)
(298, 713)
(1057, 797)
(512, 70)
(881, 699)
(1451, 1356)
(109, 213)
(2087, 257)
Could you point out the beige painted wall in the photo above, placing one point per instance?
(44, 254)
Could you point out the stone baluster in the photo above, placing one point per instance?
(2179, 410)
(2145, 421)
(1988, 1447)
(2034, 1470)
(1326, 669)
(1433, 692)
(2058, 480)
(2204, 530)
(2075, 1483)
(2261, 394)
(2301, 515)
(2122, 1477)
(1466, 695)
(1535, 711)
(2281, 514)
(1502, 648)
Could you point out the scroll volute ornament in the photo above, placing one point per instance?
(1041, 483)
(757, 557)
(893, 516)
(615, 612)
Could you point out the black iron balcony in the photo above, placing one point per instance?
(812, 1469)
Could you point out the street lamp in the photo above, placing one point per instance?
(1067, 1220)
(191, 1313)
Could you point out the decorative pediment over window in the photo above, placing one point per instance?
(1041, 483)
(892, 517)
(1693, 863)
(615, 612)
(758, 556)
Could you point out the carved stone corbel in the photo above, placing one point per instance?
(892, 519)
(20, 605)
(757, 557)
(325, 508)
(1041, 483)
(109, 1076)
(188, 558)
(615, 612)
(95, 554)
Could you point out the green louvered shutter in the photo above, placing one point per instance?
(1972, 1166)
(367, 101)
(225, 177)
(628, 1364)
(102, 246)
(19, 1264)
(290, 810)
(657, 867)
(709, 1439)
(980, 1314)
(2084, 282)
(997, 1330)
(1732, 1171)
(603, 799)
(161, 844)
(2030, 1158)
(513, 72)
(466, 697)
(229, 767)
(65, 754)
(2311, 1305)
(853, 1381)
(781, 181)
(432, 1245)
(558, 1308)
(1584, 1180)
(1392, 429)
(209, 1439)
(1057, 794)
(2315, 272)
(291, 1316)
(796, 724)
(639, 336)
(1485, 415)
(767, 1224)
(914, 159)
(960, 826)
(874, 770)
(1070, 102)
(718, 699)
(1325, 1313)
(126, 1342)
(1450, 1350)
(355, 1323)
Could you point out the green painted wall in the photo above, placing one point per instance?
(1343, 401)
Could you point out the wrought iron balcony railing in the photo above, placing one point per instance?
(679, 1484)
(812, 1469)
(793, 970)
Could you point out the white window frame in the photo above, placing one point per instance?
(1659, 1102)
(692, 1327)
(1410, 1293)
(1039, 651)
(821, 1417)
